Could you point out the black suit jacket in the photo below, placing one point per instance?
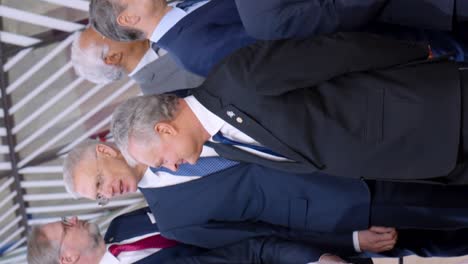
(350, 104)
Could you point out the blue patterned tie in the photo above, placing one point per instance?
(204, 166)
(187, 3)
(224, 140)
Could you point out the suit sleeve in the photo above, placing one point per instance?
(276, 67)
(281, 19)
(219, 234)
(260, 250)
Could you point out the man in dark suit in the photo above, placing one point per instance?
(102, 60)
(135, 238)
(246, 201)
(275, 19)
(200, 35)
(350, 104)
(197, 35)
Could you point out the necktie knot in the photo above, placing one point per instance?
(156, 241)
(219, 137)
(203, 167)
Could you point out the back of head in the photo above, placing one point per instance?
(89, 64)
(103, 16)
(137, 116)
(40, 249)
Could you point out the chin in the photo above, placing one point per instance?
(94, 234)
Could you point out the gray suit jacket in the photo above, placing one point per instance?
(163, 75)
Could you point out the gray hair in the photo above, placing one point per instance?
(40, 249)
(89, 64)
(103, 17)
(86, 150)
(137, 116)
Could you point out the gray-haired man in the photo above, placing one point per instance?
(98, 171)
(102, 60)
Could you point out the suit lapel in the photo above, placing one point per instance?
(145, 74)
(249, 126)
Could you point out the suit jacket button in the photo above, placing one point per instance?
(111, 239)
(239, 120)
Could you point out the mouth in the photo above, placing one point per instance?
(121, 187)
(125, 188)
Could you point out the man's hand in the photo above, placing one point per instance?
(377, 239)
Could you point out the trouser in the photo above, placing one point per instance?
(418, 206)
(460, 174)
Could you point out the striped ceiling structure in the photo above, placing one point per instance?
(45, 110)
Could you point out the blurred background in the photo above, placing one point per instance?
(45, 110)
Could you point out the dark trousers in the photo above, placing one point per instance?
(410, 205)
(460, 174)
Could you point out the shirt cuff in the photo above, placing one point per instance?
(356, 241)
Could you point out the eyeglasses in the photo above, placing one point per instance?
(65, 224)
(101, 199)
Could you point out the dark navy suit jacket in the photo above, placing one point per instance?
(205, 36)
(137, 223)
(276, 19)
(256, 250)
(248, 201)
(210, 33)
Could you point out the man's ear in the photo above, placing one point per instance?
(68, 258)
(113, 58)
(127, 20)
(106, 150)
(164, 128)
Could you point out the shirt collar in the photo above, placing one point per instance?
(171, 18)
(167, 22)
(108, 258)
(149, 57)
(210, 122)
(148, 179)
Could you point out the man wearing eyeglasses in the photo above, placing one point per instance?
(134, 238)
(98, 171)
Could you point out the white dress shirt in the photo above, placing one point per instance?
(163, 178)
(213, 124)
(171, 18)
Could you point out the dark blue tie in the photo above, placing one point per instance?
(224, 140)
(155, 47)
(187, 3)
(204, 166)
